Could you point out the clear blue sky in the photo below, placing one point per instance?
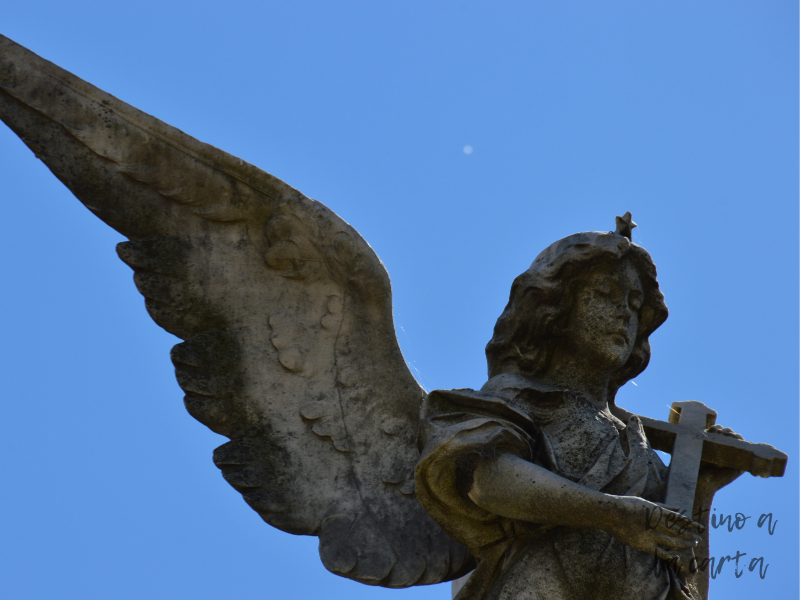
(684, 113)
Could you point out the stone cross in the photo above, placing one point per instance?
(686, 438)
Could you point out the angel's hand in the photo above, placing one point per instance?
(655, 529)
(724, 431)
(710, 478)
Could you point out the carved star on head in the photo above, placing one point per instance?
(625, 225)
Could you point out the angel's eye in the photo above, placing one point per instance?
(602, 290)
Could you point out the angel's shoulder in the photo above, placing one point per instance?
(448, 407)
(534, 398)
(503, 393)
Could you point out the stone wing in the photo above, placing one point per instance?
(285, 311)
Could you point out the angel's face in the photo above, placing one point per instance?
(604, 320)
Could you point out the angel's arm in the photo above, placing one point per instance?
(512, 487)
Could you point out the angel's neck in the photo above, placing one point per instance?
(591, 386)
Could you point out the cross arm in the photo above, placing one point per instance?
(721, 450)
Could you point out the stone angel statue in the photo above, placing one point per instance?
(537, 483)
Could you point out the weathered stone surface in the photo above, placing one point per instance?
(289, 350)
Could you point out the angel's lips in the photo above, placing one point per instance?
(619, 333)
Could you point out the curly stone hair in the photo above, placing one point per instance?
(541, 299)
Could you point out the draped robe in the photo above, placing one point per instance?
(566, 434)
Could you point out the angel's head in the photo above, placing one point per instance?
(560, 302)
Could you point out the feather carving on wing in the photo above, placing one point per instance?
(289, 345)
